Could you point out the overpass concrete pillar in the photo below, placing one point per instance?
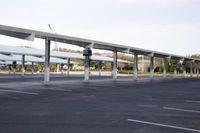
(115, 65)
(23, 66)
(152, 66)
(68, 67)
(191, 69)
(47, 62)
(87, 52)
(135, 66)
(164, 65)
(32, 68)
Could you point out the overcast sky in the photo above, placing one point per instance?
(164, 25)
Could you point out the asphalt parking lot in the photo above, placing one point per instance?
(99, 106)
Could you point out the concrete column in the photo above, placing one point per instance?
(115, 65)
(68, 67)
(164, 65)
(152, 66)
(100, 68)
(32, 68)
(191, 69)
(47, 61)
(135, 66)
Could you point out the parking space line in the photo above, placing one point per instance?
(164, 125)
(184, 110)
(191, 101)
(23, 92)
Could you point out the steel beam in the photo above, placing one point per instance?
(47, 62)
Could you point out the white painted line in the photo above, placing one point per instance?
(23, 92)
(146, 106)
(191, 101)
(58, 89)
(184, 110)
(164, 125)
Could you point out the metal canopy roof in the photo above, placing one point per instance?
(9, 58)
(5, 57)
(9, 50)
(10, 63)
(28, 34)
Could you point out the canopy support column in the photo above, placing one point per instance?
(47, 61)
(68, 67)
(175, 69)
(135, 66)
(14, 65)
(87, 52)
(152, 66)
(57, 68)
(115, 65)
(10, 68)
(23, 66)
(100, 68)
(32, 68)
(198, 70)
(164, 65)
(184, 70)
(61, 68)
(191, 69)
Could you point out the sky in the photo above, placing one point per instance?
(171, 26)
